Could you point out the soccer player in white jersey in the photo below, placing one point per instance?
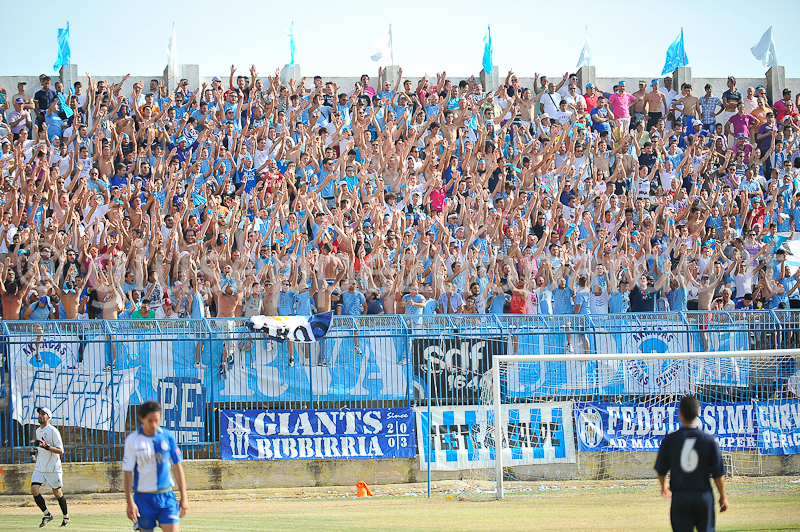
(151, 458)
(49, 448)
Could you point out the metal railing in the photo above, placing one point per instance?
(93, 374)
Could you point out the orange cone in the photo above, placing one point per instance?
(362, 490)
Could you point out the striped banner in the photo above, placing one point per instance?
(463, 436)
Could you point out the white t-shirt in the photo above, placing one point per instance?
(666, 179)
(550, 102)
(564, 91)
(47, 462)
(599, 304)
(744, 283)
(562, 117)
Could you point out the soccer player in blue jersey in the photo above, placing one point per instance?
(693, 457)
(150, 460)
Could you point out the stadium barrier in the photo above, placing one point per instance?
(370, 363)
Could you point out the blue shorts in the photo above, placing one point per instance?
(156, 509)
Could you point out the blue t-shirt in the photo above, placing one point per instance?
(286, 303)
(412, 309)
(582, 299)
(302, 303)
(352, 303)
(561, 301)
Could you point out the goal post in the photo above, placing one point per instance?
(766, 379)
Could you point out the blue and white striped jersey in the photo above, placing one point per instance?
(151, 459)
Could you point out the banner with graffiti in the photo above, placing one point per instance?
(629, 377)
(152, 365)
(49, 374)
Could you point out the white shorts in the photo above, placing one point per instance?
(54, 480)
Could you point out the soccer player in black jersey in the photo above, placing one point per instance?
(693, 457)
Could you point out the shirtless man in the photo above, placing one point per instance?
(691, 105)
(705, 296)
(328, 263)
(71, 294)
(228, 300)
(637, 107)
(450, 126)
(653, 102)
(12, 295)
(322, 298)
(391, 174)
(527, 106)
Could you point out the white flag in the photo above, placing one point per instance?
(586, 54)
(383, 46)
(765, 50)
(172, 52)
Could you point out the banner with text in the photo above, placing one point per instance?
(183, 402)
(778, 427)
(317, 434)
(46, 374)
(463, 436)
(457, 364)
(629, 377)
(638, 427)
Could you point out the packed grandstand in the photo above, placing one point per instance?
(249, 196)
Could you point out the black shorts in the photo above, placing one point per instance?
(692, 305)
(692, 509)
(794, 303)
(652, 120)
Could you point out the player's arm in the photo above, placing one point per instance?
(132, 510)
(52, 448)
(662, 479)
(180, 479)
(128, 464)
(723, 499)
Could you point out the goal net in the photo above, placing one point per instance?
(568, 414)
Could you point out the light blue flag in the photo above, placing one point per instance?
(290, 33)
(676, 55)
(586, 54)
(764, 51)
(487, 51)
(63, 48)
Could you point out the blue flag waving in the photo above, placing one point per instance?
(487, 51)
(290, 33)
(63, 48)
(676, 55)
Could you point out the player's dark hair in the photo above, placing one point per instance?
(689, 409)
(148, 407)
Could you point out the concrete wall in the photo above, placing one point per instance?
(100, 477)
(346, 84)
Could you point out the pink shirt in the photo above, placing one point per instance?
(742, 124)
(437, 199)
(621, 103)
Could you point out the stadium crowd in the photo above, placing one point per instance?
(251, 197)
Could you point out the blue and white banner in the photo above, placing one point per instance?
(633, 377)
(463, 436)
(317, 434)
(778, 427)
(183, 403)
(46, 374)
(639, 427)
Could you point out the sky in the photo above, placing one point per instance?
(335, 38)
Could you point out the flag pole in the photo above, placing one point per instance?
(391, 44)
